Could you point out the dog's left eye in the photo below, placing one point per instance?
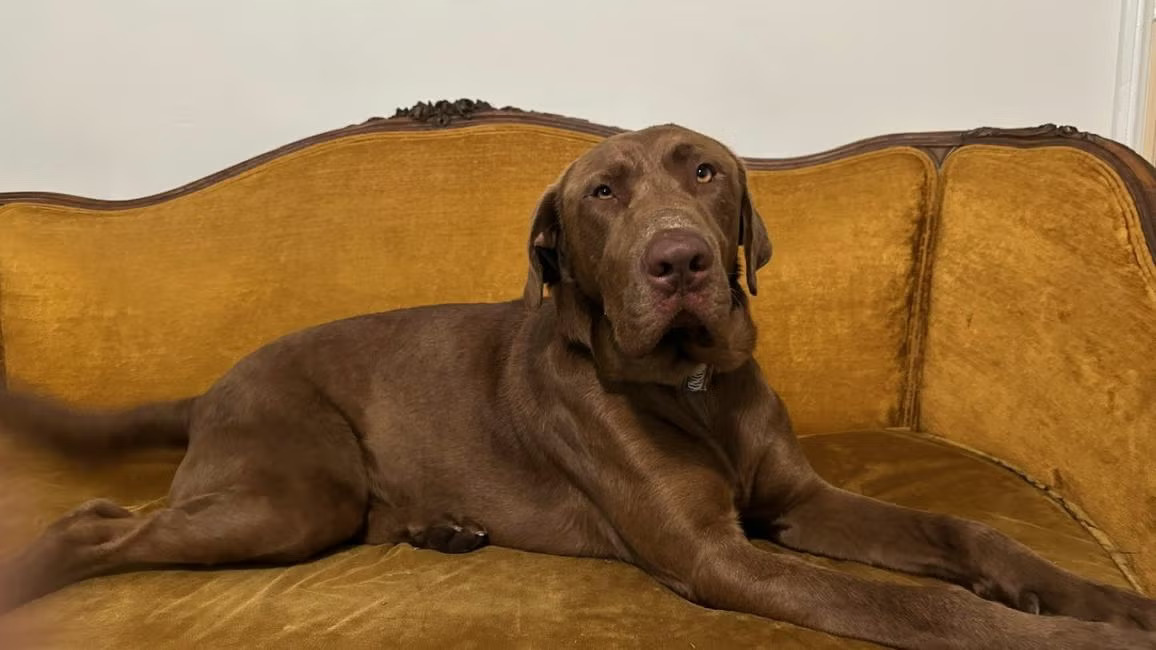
(704, 173)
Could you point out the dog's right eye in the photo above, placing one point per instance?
(603, 192)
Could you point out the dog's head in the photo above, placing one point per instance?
(639, 242)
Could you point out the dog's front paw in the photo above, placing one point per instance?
(1068, 634)
(1095, 602)
(1077, 598)
(453, 535)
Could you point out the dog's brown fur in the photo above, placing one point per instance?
(565, 426)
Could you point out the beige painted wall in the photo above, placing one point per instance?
(120, 98)
(1150, 120)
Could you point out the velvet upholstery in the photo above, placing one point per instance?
(399, 597)
(397, 219)
(1041, 347)
(1003, 301)
(114, 307)
(834, 304)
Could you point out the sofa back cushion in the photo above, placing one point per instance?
(116, 304)
(1041, 342)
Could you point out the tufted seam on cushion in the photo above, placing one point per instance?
(919, 295)
(1132, 226)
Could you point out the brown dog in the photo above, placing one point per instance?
(629, 401)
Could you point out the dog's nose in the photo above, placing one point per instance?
(677, 260)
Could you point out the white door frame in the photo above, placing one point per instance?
(1130, 104)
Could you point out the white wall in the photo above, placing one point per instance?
(121, 98)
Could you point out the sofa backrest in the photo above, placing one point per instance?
(112, 303)
(115, 302)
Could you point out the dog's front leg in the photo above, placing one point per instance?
(737, 576)
(835, 523)
(675, 518)
(790, 504)
(794, 506)
(718, 567)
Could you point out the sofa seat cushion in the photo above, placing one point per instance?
(401, 597)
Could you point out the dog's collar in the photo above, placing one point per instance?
(698, 380)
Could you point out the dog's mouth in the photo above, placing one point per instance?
(663, 340)
(686, 337)
(683, 325)
(685, 320)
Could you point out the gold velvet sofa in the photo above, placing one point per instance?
(959, 321)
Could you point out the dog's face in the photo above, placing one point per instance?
(639, 240)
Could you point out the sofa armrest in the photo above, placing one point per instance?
(1040, 327)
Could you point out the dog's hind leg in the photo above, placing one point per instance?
(101, 538)
(257, 485)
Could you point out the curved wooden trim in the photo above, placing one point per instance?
(1138, 175)
(397, 124)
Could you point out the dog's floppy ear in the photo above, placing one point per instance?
(753, 236)
(545, 232)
